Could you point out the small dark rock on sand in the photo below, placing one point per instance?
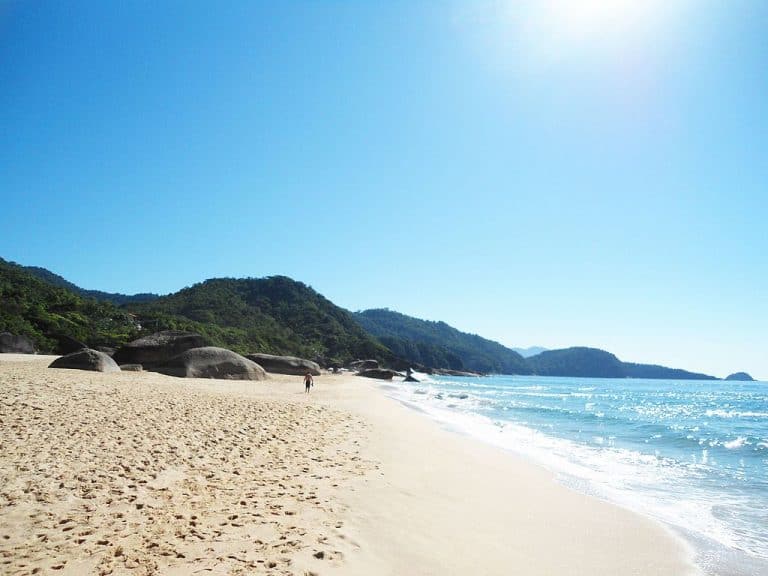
(131, 367)
(379, 373)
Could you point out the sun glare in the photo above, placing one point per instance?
(554, 30)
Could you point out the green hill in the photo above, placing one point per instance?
(280, 316)
(274, 315)
(438, 345)
(740, 377)
(653, 371)
(41, 311)
(51, 278)
(596, 363)
(578, 361)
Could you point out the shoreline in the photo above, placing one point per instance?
(486, 509)
(342, 481)
(708, 554)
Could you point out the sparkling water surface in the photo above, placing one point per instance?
(691, 453)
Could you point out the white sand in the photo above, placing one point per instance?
(443, 503)
(139, 473)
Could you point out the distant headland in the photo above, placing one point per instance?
(740, 376)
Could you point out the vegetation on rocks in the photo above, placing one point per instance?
(274, 315)
(40, 311)
(438, 345)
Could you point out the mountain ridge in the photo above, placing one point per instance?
(425, 342)
(409, 337)
(273, 315)
(280, 315)
(114, 297)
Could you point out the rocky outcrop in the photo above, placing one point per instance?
(108, 350)
(379, 373)
(360, 365)
(158, 348)
(86, 359)
(285, 364)
(212, 362)
(409, 377)
(13, 344)
(740, 377)
(445, 372)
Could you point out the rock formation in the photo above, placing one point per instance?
(409, 377)
(86, 359)
(12, 344)
(158, 348)
(379, 373)
(285, 364)
(212, 362)
(360, 365)
(445, 372)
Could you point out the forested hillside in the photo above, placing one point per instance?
(653, 371)
(41, 311)
(436, 344)
(275, 315)
(579, 361)
(278, 315)
(596, 363)
(52, 278)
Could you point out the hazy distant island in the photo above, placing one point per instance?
(740, 376)
(530, 351)
(278, 315)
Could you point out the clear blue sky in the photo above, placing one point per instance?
(539, 172)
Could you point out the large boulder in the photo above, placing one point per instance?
(86, 359)
(13, 344)
(285, 364)
(379, 373)
(212, 362)
(158, 348)
(360, 365)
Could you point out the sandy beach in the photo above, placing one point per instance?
(140, 473)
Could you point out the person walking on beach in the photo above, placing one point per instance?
(308, 381)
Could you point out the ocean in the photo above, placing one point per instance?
(690, 453)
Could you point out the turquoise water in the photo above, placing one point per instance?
(693, 454)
